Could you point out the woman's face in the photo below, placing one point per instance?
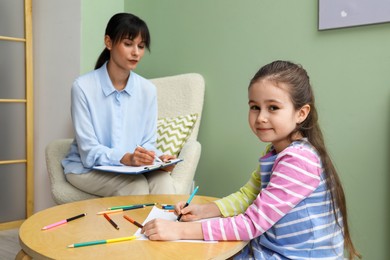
(127, 53)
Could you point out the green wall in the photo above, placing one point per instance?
(227, 41)
(95, 15)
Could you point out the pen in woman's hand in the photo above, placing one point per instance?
(155, 157)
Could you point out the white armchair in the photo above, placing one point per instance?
(177, 95)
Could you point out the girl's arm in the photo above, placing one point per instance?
(239, 201)
(286, 189)
(161, 229)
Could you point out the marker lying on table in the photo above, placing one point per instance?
(111, 221)
(98, 242)
(133, 221)
(63, 221)
(120, 210)
(168, 206)
(188, 201)
(126, 206)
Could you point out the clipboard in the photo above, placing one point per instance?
(135, 169)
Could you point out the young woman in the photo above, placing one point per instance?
(114, 113)
(299, 211)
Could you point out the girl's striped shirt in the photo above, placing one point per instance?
(292, 216)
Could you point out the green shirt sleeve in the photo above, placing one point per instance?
(237, 202)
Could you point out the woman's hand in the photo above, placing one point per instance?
(161, 229)
(196, 211)
(141, 156)
(166, 158)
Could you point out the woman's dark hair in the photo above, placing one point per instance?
(124, 26)
(301, 93)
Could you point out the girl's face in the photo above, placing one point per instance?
(272, 116)
(126, 54)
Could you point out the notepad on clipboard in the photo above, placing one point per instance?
(136, 169)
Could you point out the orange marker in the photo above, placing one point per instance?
(111, 221)
(133, 221)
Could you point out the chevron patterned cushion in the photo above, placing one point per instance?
(173, 132)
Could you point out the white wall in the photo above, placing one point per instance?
(56, 50)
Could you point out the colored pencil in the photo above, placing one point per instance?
(63, 221)
(188, 201)
(111, 221)
(98, 242)
(126, 206)
(120, 210)
(168, 207)
(133, 221)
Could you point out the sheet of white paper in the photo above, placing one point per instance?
(160, 213)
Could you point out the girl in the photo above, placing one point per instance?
(114, 113)
(299, 212)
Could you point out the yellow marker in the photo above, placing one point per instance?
(107, 241)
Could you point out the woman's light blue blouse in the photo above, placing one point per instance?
(109, 123)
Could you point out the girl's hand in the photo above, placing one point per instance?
(161, 229)
(190, 213)
(196, 211)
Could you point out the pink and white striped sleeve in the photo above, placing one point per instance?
(295, 175)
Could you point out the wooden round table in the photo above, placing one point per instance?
(52, 243)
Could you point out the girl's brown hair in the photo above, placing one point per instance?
(301, 93)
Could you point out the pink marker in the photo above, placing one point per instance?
(63, 221)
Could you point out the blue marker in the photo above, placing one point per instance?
(189, 200)
(168, 207)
